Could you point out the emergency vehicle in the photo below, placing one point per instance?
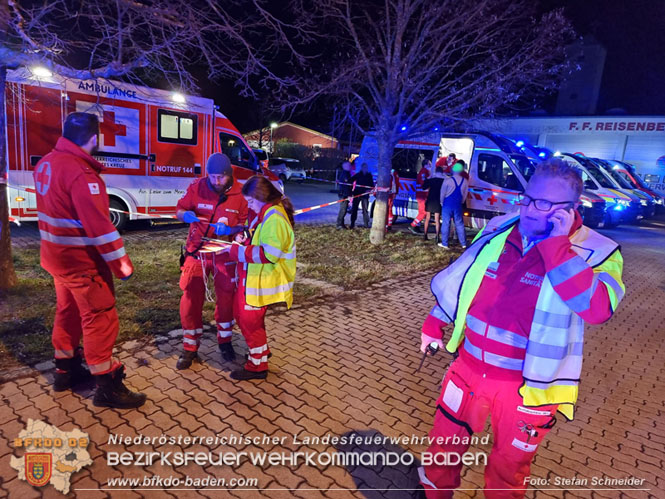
(153, 143)
(407, 159)
(647, 205)
(498, 172)
(638, 140)
(621, 207)
(629, 173)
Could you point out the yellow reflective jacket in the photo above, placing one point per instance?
(272, 282)
(547, 381)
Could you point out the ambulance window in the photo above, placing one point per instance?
(407, 161)
(176, 127)
(236, 150)
(494, 170)
(589, 184)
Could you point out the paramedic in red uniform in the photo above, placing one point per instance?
(213, 205)
(392, 194)
(82, 250)
(421, 195)
(518, 299)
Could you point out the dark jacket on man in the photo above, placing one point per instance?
(364, 182)
(344, 179)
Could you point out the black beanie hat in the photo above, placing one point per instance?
(219, 164)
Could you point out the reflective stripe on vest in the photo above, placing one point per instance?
(498, 335)
(272, 282)
(59, 222)
(79, 240)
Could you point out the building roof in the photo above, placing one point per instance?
(288, 123)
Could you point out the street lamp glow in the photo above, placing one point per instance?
(179, 98)
(273, 125)
(41, 72)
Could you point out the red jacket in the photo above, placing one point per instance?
(202, 200)
(423, 175)
(73, 213)
(507, 296)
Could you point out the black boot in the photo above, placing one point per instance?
(70, 373)
(228, 354)
(112, 392)
(185, 360)
(243, 374)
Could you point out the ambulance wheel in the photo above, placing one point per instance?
(609, 222)
(119, 220)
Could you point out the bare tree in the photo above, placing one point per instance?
(410, 66)
(140, 41)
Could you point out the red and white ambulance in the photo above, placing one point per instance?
(154, 143)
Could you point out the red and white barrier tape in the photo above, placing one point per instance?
(354, 185)
(311, 208)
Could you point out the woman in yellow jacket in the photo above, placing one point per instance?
(266, 270)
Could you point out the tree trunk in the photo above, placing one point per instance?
(385, 146)
(7, 274)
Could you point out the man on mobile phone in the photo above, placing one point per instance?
(518, 299)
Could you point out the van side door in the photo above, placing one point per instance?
(493, 186)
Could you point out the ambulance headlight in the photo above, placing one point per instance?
(623, 202)
(659, 201)
(644, 202)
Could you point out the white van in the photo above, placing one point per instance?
(498, 172)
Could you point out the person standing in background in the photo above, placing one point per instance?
(433, 203)
(421, 195)
(362, 183)
(343, 193)
(453, 196)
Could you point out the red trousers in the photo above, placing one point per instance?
(193, 297)
(251, 321)
(421, 198)
(389, 212)
(467, 398)
(86, 308)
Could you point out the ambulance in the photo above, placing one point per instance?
(638, 140)
(498, 172)
(153, 143)
(621, 207)
(407, 159)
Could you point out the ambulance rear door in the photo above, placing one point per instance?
(494, 179)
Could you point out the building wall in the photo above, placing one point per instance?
(292, 134)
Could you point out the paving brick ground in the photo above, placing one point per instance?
(347, 365)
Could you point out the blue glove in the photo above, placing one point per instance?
(190, 217)
(126, 278)
(222, 229)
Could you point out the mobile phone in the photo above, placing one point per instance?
(550, 225)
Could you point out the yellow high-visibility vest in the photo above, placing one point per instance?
(269, 283)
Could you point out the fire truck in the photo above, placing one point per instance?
(153, 143)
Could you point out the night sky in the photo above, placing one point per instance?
(632, 32)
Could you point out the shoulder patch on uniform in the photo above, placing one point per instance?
(94, 188)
